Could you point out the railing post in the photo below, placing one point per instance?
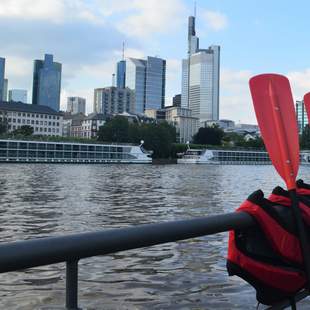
(72, 285)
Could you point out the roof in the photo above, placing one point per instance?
(96, 116)
(25, 107)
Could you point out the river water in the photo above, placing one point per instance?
(48, 200)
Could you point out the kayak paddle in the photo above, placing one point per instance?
(307, 104)
(275, 113)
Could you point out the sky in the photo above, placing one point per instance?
(86, 37)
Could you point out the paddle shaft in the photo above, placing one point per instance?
(302, 234)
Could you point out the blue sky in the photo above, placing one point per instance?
(86, 37)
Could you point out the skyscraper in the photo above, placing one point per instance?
(76, 105)
(148, 80)
(46, 82)
(301, 115)
(5, 90)
(18, 95)
(2, 71)
(200, 78)
(121, 74)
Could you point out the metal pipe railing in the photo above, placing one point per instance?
(51, 250)
(71, 248)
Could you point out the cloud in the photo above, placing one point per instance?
(214, 20)
(300, 83)
(152, 17)
(235, 99)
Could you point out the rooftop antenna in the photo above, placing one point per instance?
(113, 80)
(123, 54)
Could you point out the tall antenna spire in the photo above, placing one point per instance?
(123, 54)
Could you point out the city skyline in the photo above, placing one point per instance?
(252, 41)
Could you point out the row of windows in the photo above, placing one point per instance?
(36, 129)
(46, 154)
(32, 122)
(36, 115)
(61, 147)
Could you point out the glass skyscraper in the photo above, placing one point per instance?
(200, 78)
(121, 74)
(46, 83)
(148, 80)
(2, 70)
(301, 114)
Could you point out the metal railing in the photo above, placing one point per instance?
(71, 248)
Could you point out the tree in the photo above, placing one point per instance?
(24, 130)
(209, 135)
(2, 127)
(114, 130)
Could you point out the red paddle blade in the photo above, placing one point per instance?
(275, 113)
(307, 104)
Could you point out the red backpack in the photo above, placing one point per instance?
(268, 255)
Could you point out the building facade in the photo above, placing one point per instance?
(47, 83)
(5, 90)
(2, 72)
(176, 100)
(91, 125)
(42, 119)
(147, 78)
(76, 105)
(301, 114)
(121, 74)
(113, 100)
(18, 95)
(200, 78)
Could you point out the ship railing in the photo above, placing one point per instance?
(71, 248)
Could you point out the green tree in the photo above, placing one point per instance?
(212, 135)
(2, 127)
(24, 130)
(114, 130)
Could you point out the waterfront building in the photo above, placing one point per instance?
(76, 105)
(200, 78)
(44, 120)
(91, 125)
(181, 118)
(147, 78)
(72, 124)
(301, 114)
(176, 100)
(2, 72)
(186, 125)
(46, 83)
(121, 74)
(113, 100)
(18, 95)
(5, 90)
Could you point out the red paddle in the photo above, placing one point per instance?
(307, 104)
(275, 113)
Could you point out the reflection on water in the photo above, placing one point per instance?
(44, 200)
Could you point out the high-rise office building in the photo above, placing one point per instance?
(121, 74)
(113, 100)
(301, 114)
(147, 78)
(76, 105)
(2, 71)
(46, 83)
(18, 95)
(5, 90)
(200, 78)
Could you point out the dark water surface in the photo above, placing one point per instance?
(49, 200)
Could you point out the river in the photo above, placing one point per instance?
(39, 200)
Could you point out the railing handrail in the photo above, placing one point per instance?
(51, 250)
